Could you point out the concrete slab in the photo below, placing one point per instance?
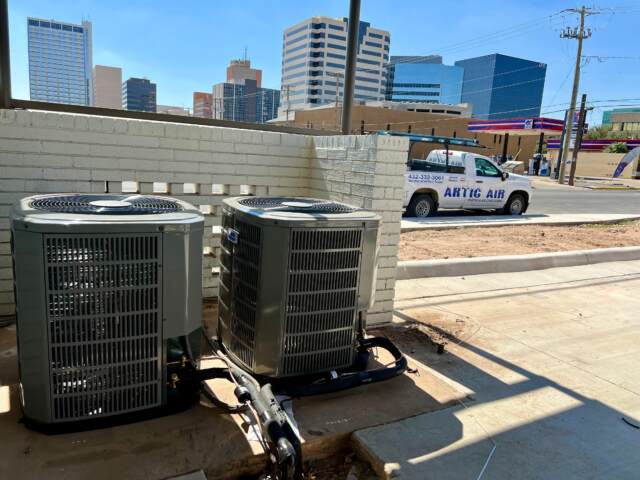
(552, 359)
(202, 438)
(466, 221)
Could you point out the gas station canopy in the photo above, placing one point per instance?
(518, 126)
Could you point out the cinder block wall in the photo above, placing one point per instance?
(367, 172)
(48, 152)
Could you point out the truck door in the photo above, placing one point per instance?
(452, 195)
(486, 187)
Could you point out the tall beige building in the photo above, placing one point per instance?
(107, 86)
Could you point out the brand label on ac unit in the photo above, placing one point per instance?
(232, 235)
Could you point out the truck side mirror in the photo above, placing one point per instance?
(505, 175)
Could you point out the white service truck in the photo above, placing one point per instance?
(462, 180)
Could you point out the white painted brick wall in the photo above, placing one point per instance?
(42, 152)
(367, 171)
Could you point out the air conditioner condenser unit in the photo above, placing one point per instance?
(105, 285)
(296, 281)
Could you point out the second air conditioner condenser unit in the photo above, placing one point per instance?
(296, 281)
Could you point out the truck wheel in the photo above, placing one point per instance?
(422, 206)
(516, 205)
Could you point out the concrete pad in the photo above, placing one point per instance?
(203, 438)
(552, 359)
(410, 224)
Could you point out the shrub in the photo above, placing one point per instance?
(618, 147)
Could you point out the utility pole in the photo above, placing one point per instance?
(287, 88)
(556, 168)
(350, 68)
(5, 64)
(337, 76)
(337, 97)
(580, 34)
(578, 142)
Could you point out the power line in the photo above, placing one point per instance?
(515, 30)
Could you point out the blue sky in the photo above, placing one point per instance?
(185, 46)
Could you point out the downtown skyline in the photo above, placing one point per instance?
(169, 60)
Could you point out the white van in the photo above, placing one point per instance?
(454, 179)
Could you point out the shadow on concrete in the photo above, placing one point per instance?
(556, 431)
(201, 437)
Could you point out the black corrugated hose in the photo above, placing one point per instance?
(349, 379)
(274, 422)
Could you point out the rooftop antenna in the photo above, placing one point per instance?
(245, 53)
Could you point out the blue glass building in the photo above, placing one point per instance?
(139, 94)
(60, 61)
(244, 102)
(423, 79)
(267, 101)
(499, 86)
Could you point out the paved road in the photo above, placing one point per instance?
(548, 200)
(560, 200)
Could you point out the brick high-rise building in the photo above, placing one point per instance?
(241, 98)
(240, 70)
(203, 104)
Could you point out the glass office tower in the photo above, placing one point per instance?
(423, 79)
(499, 86)
(60, 61)
(244, 102)
(139, 94)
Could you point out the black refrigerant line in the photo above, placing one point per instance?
(275, 425)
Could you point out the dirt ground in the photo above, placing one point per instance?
(516, 240)
(339, 467)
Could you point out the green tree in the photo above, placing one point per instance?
(618, 147)
(597, 132)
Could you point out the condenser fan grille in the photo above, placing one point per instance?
(294, 204)
(106, 204)
(104, 301)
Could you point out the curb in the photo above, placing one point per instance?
(562, 223)
(512, 263)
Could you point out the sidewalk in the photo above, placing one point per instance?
(445, 222)
(551, 361)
